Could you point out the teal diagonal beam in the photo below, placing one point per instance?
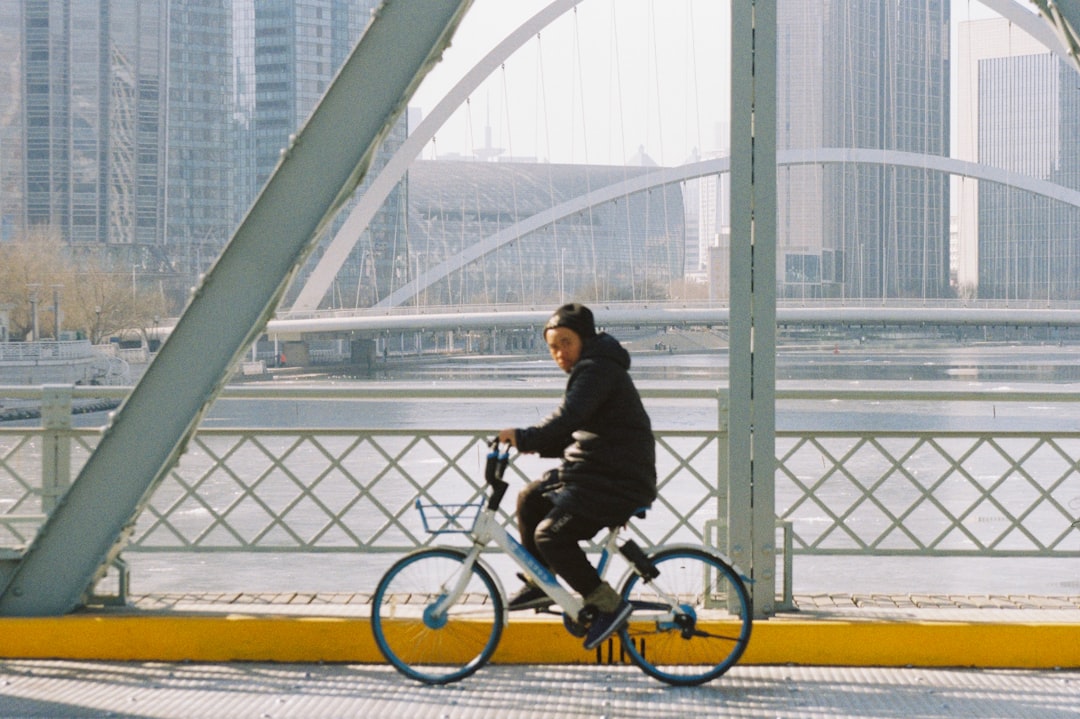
(317, 173)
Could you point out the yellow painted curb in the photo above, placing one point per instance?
(245, 637)
(233, 637)
(923, 644)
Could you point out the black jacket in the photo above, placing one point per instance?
(603, 434)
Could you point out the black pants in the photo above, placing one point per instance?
(552, 535)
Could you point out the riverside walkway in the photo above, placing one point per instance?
(293, 655)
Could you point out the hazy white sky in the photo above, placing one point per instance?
(595, 85)
(603, 80)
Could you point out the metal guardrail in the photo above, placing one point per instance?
(320, 489)
(953, 492)
(932, 493)
(957, 492)
(45, 350)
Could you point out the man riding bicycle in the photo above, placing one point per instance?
(608, 470)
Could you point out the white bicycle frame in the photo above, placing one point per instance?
(487, 530)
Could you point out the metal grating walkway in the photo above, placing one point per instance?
(825, 626)
(68, 689)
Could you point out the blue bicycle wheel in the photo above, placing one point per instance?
(709, 628)
(422, 636)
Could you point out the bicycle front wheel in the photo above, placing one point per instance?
(427, 635)
(692, 622)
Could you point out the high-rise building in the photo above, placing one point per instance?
(200, 174)
(713, 214)
(113, 119)
(1024, 112)
(12, 185)
(863, 75)
(287, 54)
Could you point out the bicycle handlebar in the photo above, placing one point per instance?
(494, 471)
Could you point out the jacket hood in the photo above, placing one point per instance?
(604, 346)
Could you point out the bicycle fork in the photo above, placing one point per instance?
(435, 614)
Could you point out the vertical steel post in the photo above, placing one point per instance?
(55, 444)
(723, 468)
(751, 435)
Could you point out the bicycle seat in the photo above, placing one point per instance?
(639, 513)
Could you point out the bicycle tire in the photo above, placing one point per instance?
(713, 628)
(436, 649)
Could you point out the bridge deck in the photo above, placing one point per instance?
(810, 663)
(835, 630)
(66, 689)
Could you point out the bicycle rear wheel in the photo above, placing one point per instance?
(709, 629)
(424, 642)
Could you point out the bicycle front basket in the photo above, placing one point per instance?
(448, 518)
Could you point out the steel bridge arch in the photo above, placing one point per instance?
(360, 216)
(667, 176)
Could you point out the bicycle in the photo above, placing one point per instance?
(438, 613)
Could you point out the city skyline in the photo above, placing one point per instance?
(218, 133)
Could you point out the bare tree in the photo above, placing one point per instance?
(28, 270)
(95, 302)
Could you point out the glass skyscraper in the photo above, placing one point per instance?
(113, 132)
(1028, 122)
(297, 48)
(863, 75)
(12, 184)
(287, 54)
(142, 130)
(201, 160)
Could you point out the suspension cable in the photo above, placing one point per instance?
(617, 64)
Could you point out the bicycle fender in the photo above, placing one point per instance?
(653, 551)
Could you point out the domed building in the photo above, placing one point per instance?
(546, 241)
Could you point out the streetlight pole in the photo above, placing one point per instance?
(419, 281)
(33, 308)
(56, 311)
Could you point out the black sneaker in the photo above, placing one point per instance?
(529, 596)
(607, 623)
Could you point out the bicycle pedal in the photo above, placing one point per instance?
(587, 615)
(576, 629)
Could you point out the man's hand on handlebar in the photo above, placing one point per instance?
(508, 436)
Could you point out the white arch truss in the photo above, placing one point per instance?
(321, 278)
(669, 175)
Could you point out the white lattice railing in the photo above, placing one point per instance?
(860, 491)
(931, 493)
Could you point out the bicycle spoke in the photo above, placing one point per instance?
(705, 627)
(444, 647)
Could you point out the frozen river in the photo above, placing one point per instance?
(971, 367)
